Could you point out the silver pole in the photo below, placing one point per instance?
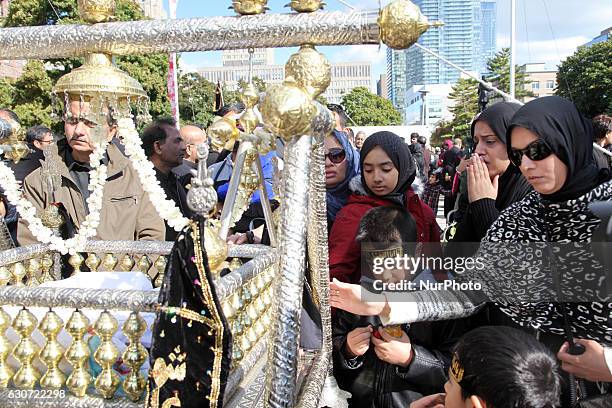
(512, 48)
(232, 191)
(441, 58)
(265, 202)
(282, 368)
(601, 149)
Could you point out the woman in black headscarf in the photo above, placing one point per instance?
(387, 174)
(494, 183)
(551, 143)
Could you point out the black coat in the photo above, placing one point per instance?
(481, 214)
(376, 384)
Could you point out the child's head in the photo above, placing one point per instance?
(433, 177)
(502, 367)
(387, 167)
(386, 232)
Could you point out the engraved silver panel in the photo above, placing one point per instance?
(194, 34)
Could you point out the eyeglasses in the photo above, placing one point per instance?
(536, 150)
(336, 155)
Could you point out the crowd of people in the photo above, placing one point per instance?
(528, 174)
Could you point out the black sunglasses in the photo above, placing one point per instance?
(536, 150)
(336, 155)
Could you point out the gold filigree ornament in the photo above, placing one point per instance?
(287, 110)
(97, 11)
(249, 119)
(216, 248)
(402, 23)
(223, 133)
(310, 70)
(13, 136)
(306, 6)
(249, 7)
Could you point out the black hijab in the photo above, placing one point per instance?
(513, 186)
(569, 134)
(399, 153)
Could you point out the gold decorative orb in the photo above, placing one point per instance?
(287, 110)
(401, 24)
(96, 11)
(51, 217)
(221, 132)
(18, 151)
(5, 275)
(306, 6)
(310, 70)
(249, 7)
(249, 96)
(216, 250)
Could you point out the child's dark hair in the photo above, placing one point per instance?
(507, 368)
(387, 224)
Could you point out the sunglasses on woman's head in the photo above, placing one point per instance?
(336, 156)
(536, 150)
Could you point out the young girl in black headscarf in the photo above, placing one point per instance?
(387, 176)
(551, 143)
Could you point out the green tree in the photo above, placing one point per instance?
(586, 79)
(7, 91)
(30, 95)
(499, 69)
(368, 109)
(196, 99)
(465, 96)
(259, 83)
(322, 100)
(443, 131)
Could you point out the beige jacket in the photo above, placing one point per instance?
(127, 213)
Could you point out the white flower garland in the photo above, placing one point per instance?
(167, 209)
(97, 180)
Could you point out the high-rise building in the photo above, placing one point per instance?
(153, 9)
(488, 33)
(344, 76)
(382, 89)
(466, 39)
(396, 77)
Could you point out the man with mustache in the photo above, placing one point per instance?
(127, 212)
(164, 146)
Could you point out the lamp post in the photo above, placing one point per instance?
(424, 93)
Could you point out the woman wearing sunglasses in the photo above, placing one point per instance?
(493, 182)
(551, 143)
(387, 175)
(341, 165)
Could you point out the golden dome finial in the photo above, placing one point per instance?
(306, 6)
(96, 11)
(310, 70)
(249, 7)
(402, 23)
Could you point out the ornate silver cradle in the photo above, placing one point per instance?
(44, 355)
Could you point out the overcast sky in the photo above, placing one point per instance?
(541, 37)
